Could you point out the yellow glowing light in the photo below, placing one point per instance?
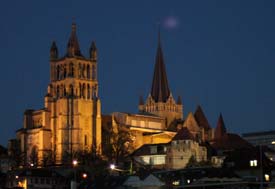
(266, 176)
(75, 162)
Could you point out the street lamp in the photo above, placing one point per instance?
(75, 162)
(112, 166)
(84, 175)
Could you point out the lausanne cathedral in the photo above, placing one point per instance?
(71, 118)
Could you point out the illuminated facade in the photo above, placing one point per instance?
(71, 118)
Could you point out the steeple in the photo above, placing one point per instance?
(53, 51)
(160, 89)
(73, 46)
(141, 101)
(220, 130)
(201, 118)
(93, 51)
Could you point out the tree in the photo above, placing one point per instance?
(120, 145)
(34, 156)
(47, 159)
(192, 162)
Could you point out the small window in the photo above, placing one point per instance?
(85, 140)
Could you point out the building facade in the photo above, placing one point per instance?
(70, 120)
(183, 147)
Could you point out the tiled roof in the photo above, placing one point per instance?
(230, 141)
(146, 149)
(201, 118)
(183, 134)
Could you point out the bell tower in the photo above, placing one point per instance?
(72, 100)
(160, 101)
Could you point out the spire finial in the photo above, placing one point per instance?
(73, 27)
(159, 34)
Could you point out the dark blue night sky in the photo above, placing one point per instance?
(219, 54)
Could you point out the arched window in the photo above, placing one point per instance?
(83, 71)
(84, 90)
(64, 91)
(71, 70)
(85, 140)
(79, 70)
(57, 72)
(88, 71)
(64, 71)
(93, 72)
(94, 92)
(80, 90)
(71, 90)
(88, 92)
(57, 92)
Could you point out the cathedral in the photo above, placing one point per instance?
(71, 119)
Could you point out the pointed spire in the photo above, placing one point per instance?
(160, 90)
(93, 51)
(179, 101)
(201, 118)
(141, 101)
(53, 51)
(220, 130)
(73, 46)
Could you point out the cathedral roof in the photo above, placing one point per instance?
(191, 123)
(160, 90)
(73, 45)
(230, 141)
(183, 134)
(220, 130)
(201, 118)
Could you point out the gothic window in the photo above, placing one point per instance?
(79, 70)
(71, 90)
(83, 71)
(93, 72)
(88, 71)
(71, 70)
(80, 90)
(64, 72)
(94, 92)
(88, 92)
(57, 92)
(85, 140)
(61, 72)
(64, 90)
(84, 90)
(57, 72)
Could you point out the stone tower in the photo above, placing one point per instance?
(160, 101)
(71, 118)
(73, 99)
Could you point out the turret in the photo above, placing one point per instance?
(93, 51)
(141, 101)
(179, 101)
(53, 51)
(220, 130)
